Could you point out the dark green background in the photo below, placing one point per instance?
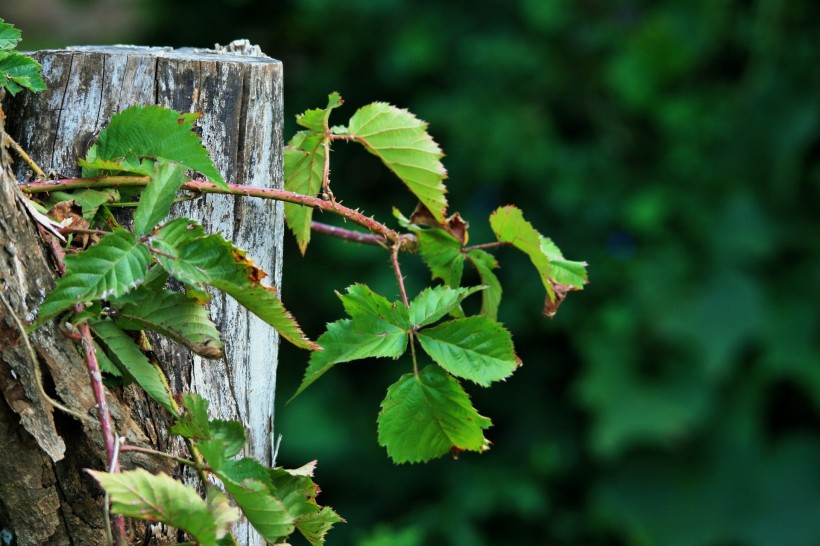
(674, 146)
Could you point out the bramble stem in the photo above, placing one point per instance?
(202, 186)
(25, 157)
(394, 259)
(348, 235)
(106, 424)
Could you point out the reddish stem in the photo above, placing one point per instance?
(104, 416)
(202, 186)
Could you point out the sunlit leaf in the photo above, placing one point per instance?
(18, 72)
(401, 141)
(359, 300)
(139, 494)
(509, 226)
(434, 303)
(304, 171)
(9, 35)
(427, 416)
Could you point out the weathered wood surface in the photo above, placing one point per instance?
(45, 497)
(240, 97)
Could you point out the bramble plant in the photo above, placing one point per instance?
(117, 286)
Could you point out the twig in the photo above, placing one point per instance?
(35, 366)
(495, 244)
(348, 235)
(148, 451)
(25, 157)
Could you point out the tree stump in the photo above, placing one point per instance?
(240, 96)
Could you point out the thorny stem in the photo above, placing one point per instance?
(201, 186)
(106, 424)
(326, 172)
(25, 157)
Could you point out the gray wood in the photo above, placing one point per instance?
(240, 97)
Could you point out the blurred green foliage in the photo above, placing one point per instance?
(673, 145)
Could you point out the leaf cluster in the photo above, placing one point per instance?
(427, 413)
(119, 286)
(17, 71)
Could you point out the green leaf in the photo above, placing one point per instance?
(510, 227)
(158, 196)
(564, 271)
(200, 260)
(9, 35)
(230, 433)
(426, 416)
(344, 342)
(115, 265)
(484, 262)
(434, 303)
(105, 363)
(266, 513)
(474, 348)
(304, 171)
(360, 301)
(401, 141)
(173, 315)
(18, 71)
(156, 132)
(122, 350)
(299, 492)
(442, 254)
(317, 118)
(139, 494)
(193, 422)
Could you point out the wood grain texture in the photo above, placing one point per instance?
(241, 101)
